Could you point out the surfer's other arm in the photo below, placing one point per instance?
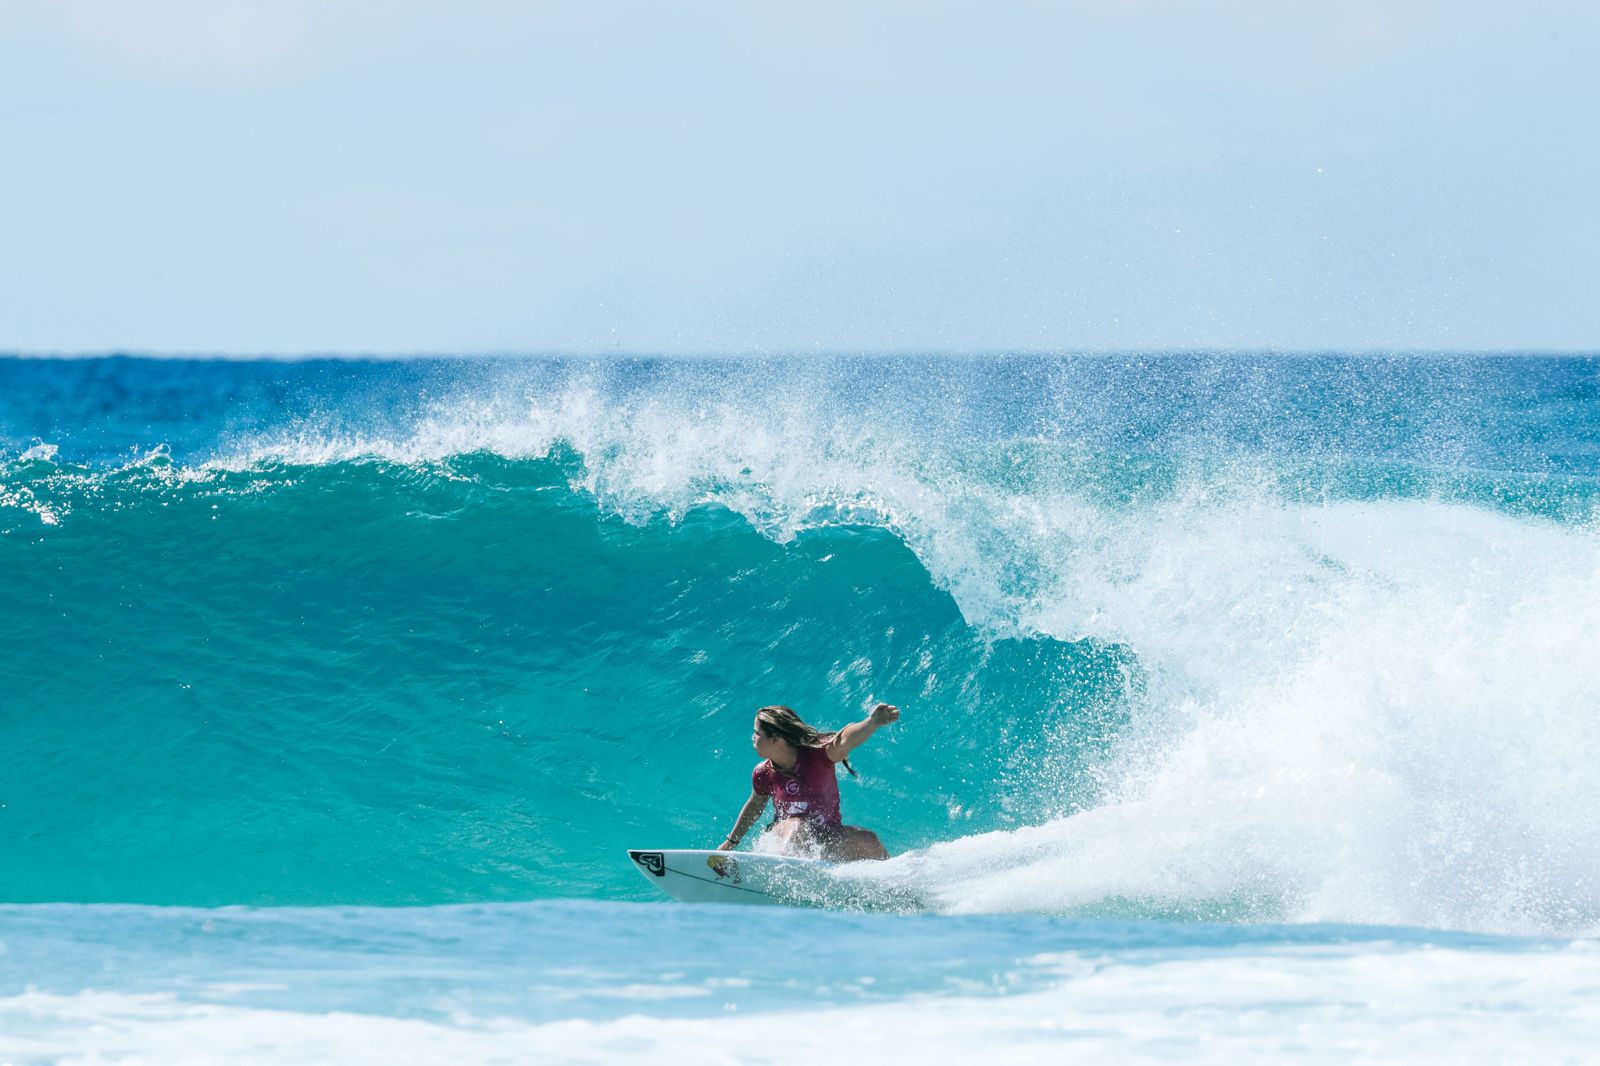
(853, 735)
(747, 817)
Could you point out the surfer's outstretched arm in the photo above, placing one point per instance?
(851, 736)
(747, 817)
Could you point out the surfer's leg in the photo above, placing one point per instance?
(791, 836)
(851, 843)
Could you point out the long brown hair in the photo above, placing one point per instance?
(782, 723)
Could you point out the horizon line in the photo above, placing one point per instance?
(837, 353)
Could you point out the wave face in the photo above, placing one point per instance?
(1195, 638)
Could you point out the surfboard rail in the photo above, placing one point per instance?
(756, 879)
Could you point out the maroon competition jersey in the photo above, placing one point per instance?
(809, 791)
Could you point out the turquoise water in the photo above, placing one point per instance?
(1298, 646)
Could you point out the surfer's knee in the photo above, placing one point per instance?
(869, 846)
(854, 844)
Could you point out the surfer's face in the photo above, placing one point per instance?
(771, 747)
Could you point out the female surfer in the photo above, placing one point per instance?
(798, 775)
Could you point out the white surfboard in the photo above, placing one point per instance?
(763, 880)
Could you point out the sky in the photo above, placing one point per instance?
(294, 177)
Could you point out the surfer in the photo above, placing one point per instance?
(799, 776)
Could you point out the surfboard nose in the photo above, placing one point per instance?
(653, 863)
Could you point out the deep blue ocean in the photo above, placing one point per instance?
(1251, 706)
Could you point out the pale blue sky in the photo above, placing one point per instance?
(291, 177)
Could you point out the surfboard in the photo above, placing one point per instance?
(753, 879)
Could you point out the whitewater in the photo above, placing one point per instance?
(1249, 705)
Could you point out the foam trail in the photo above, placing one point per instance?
(1362, 712)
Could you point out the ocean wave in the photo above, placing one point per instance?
(1148, 670)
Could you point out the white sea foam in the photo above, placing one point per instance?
(39, 452)
(1367, 712)
(1327, 1004)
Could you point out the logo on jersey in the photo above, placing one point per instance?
(792, 787)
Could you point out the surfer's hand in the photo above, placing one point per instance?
(883, 714)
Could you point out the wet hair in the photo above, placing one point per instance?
(782, 723)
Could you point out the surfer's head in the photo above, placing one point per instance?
(779, 734)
